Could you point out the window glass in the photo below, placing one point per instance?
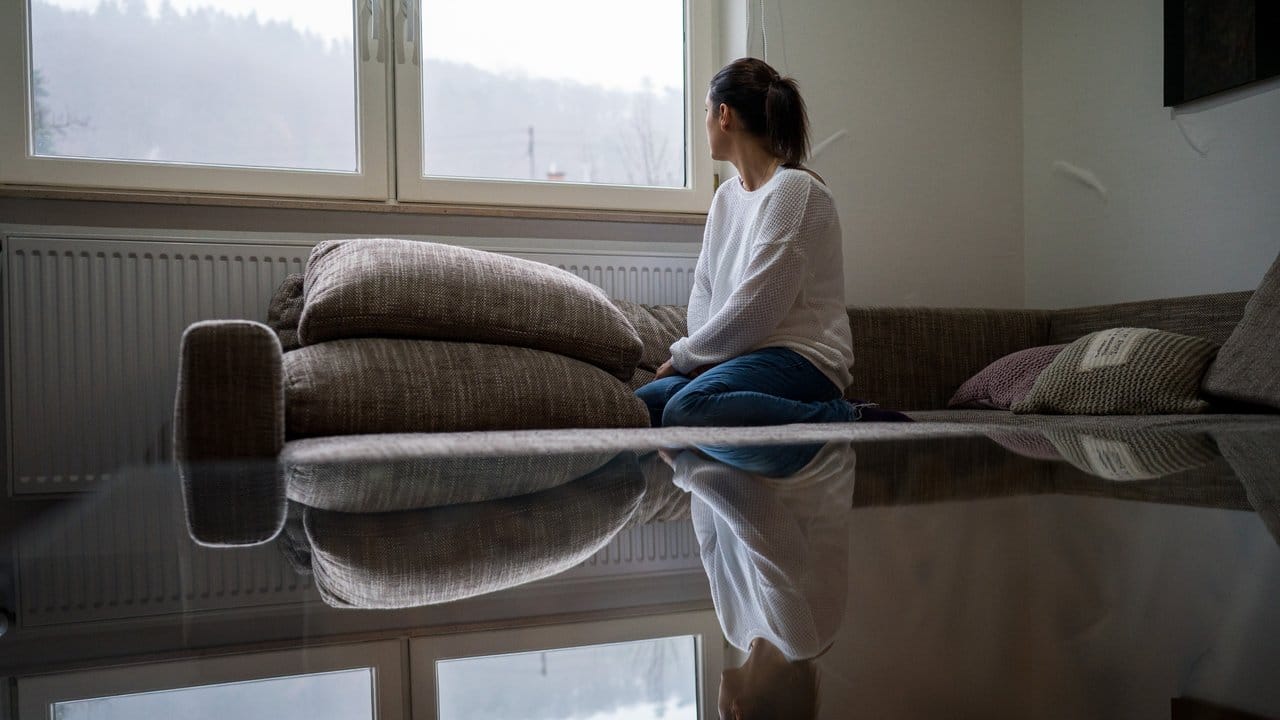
(215, 82)
(577, 91)
(346, 694)
(623, 681)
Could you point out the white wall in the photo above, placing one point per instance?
(928, 179)
(1173, 221)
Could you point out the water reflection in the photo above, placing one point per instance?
(772, 528)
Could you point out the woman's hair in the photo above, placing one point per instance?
(768, 104)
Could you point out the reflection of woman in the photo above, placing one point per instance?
(776, 555)
(769, 339)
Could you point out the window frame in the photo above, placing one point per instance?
(18, 165)
(388, 126)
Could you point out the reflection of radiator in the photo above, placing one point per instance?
(92, 330)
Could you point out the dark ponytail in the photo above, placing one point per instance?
(768, 104)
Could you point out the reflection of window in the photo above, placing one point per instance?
(563, 102)
(659, 666)
(639, 679)
(359, 681)
(343, 694)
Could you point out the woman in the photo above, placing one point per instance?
(768, 338)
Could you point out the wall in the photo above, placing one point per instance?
(928, 178)
(1174, 221)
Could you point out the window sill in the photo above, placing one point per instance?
(372, 206)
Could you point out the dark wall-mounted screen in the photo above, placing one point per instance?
(1216, 45)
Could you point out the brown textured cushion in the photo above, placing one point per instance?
(285, 311)
(405, 288)
(423, 557)
(658, 327)
(374, 385)
(1211, 317)
(1005, 382)
(1247, 368)
(1123, 371)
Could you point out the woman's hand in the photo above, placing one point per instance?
(666, 369)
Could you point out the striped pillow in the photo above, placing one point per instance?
(1123, 371)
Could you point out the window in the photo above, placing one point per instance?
(661, 666)
(347, 681)
(569, 103)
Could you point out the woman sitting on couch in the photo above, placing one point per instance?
(769, 339)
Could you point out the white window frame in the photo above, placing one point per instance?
(37, 694)
(389, 96)
(18, 165)
(425, 652)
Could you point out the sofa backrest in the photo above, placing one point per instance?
(1212, 317)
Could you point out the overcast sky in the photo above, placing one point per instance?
(608, 43)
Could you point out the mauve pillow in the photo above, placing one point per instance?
(1005, 382)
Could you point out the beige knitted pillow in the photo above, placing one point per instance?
(411, 289)
(1123, 371)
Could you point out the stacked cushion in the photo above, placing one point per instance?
(407, 336)
(378, 385)
(410, 289)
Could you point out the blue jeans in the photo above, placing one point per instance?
(773, 386)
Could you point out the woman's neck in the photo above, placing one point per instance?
(755, 166)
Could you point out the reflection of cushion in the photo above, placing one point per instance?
(385, 472)
(1248, 365)
(1123, 371)
(436, 555)
(1027, 443)
(1006, 381)
(376, 385)
(285, 311)
(403, 288)
(1128, 454)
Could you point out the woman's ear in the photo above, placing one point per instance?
(725, 116)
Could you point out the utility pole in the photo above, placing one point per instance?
(532, 172)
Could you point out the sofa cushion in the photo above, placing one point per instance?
(1123, 371)
(285, 311)
(405, 288)
(1247, 368)
(1211, 317)
(376, 385)
(1005, 382)
(658, 327)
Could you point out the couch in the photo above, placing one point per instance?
(246, 389)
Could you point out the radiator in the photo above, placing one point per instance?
(92, 328)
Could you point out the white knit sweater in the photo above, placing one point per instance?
(771, 274)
